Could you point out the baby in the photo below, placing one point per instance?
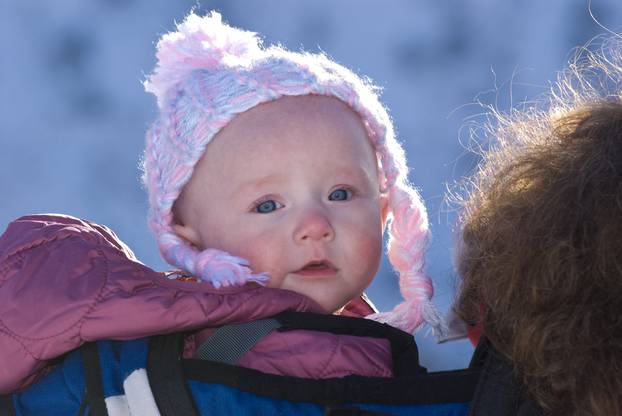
(281, 163)
(264, 168)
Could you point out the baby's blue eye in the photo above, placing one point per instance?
(339, 195)
(266, 207)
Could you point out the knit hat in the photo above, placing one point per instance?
(207, 72)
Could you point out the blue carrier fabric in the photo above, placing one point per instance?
(148, 376)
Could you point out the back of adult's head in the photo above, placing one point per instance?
(540, 248)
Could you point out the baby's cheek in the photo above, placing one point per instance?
(367, 251)
(265, 256)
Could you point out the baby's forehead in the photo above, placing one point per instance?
(293, 128)
(293, 113)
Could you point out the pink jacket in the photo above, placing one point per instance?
(64, 281)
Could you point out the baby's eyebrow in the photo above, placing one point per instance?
(353, 173)
(255, 183)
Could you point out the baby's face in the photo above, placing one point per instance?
(291, 186)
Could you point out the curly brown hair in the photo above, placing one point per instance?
(540, 248)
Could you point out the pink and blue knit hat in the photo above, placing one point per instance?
(207, 72)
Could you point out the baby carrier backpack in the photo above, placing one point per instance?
(148, 376)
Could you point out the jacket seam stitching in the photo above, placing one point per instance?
(330, 357)
(99, 295)
(79, 322)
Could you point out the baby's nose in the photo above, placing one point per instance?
(314, 226)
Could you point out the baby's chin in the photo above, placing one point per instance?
(316, 291)
(329, 307)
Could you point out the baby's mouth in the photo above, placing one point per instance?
(317, 268)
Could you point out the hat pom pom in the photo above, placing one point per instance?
(199, 43)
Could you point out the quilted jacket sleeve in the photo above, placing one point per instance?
(64, 281)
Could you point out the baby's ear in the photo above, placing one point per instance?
(187, 233)
(384, 208)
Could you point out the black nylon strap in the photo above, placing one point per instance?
(93, 378)
(6, 405)
(166, 379)
(429, 388)
(230, 342)
(350, 411)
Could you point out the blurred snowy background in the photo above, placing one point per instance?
(73, 111)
